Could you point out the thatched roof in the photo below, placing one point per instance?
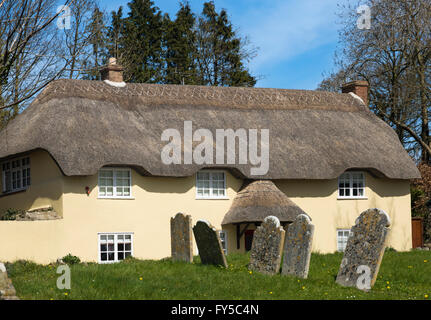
(259, 199)
(85, 125)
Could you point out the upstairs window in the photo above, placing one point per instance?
(115, 183)
(351, 185)
(16, 175)
(210, 185)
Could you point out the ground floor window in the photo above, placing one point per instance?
(114, 247)
(342, 237)
(223, 239)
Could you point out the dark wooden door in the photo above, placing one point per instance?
(248, 236)
(417, 232)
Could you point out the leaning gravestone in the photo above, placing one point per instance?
(181, 238)
(297, 247)
(364, 251)
(209, 244)
(267, 246)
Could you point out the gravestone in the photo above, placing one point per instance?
(364, 250)
(267, 246)
(7, 290)
(297, 247)
(181, 238)
(209, 244)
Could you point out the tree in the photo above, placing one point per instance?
(79, 38)
(115, 33)
(141, 42)
(394, 57)
(97, 39)
(180, 43)
(221, 53)
(29, 52)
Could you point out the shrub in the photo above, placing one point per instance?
(70, 259)
(12, 214)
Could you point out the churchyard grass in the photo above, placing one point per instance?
(402, 276)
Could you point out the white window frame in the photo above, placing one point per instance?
(343, 239)
(223, 240)
(114, 187)
(115, 234)
(211, 195)
(351, 188)
(19, 169)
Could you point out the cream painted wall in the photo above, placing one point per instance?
(319, 200)
(157, 199)
(46, 187)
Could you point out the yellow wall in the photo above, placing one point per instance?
(46, 187)
(157, 199)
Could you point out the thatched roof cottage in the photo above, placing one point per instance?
(90, 151)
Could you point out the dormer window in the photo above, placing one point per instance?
(16, 175)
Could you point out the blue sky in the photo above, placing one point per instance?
(296, 38)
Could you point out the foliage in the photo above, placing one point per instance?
(71, 259)
(421, 198)
(204, 50)
(394, 56)
(403, 275)
(12, 214)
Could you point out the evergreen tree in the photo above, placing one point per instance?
(221, 51)
(97, 41)
(114, 34)
(180, 43)
(142, 43)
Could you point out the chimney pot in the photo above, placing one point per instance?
(358, 87)
(112, 71)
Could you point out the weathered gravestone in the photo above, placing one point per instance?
(181, 238)
(7, 290)
(297, 247)
(209, 244)
(364, 251)
(267, 246)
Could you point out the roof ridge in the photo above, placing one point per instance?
(205, 96)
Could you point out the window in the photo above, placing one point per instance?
(223, 239)
(342, 237)
(115, 183)
(351, 185)
(16, 174)
(114, 247)
(210, 185)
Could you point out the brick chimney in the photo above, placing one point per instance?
(358, 87)
(112, 72)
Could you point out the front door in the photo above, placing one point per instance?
(248, 236)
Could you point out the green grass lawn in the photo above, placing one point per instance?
(402, 276)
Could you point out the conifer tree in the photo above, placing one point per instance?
(142, 54)
(180, 43)
(221, 52)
